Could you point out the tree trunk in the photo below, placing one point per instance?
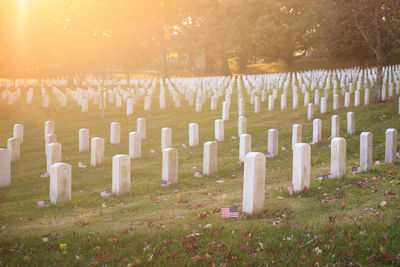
(379, 63)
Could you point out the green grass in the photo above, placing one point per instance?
(339, 221)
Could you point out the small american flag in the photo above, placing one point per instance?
(81, 165)
(43, 203)
(198, 174)
(165, 183)
(105, 193)
(290, 189)
(269, 155)
(44, 175)
(355, 170)
(230, 212)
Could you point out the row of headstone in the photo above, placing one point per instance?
(254, 86)
(254, 167)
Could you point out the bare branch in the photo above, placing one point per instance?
(364, 34)
(394, 48)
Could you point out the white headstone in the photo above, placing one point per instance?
(295, 100)
(18, 132)
(193, 134)
(399, 105)
(141, 127)
(335, 102)
(254, 183)
(306, 98)
(198, 105)
(244, 146)
(366, 96)
(60, 183)
(256, 104)
(48, 128)
(323, 105)
(210, 158)
(97, 151)
(83, 140)
(310, 112)
(338, 157)
(316, 97)
(391, 146)
(162, 101)
(283, 102)
(13, 145)
(53, 155)
(335, 126)
(219, 130)
(270, 102)
(50, 138)
(351, 127)
(115, 135)
(170, 165)
(366, 151)
(273, 137)
(242, 128)
(166, 138)
(317, 131)
(135, 145)
(121, 174)
(129, 106)
(296, 134)
(5, 167)
(241, 107)
(301, 167)
(357, 98)
(347, 100)
(225, 111)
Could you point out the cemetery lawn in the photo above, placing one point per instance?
(339, 221)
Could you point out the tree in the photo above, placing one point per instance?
(338, 33)
(286, 30)
(378, 21)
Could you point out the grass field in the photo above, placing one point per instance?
(338, 221)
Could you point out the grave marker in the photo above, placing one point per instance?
(5, 167)
(301, 167)
(97, 151)
(170, 165)
(83, 140)
(210, 158)
(244, 146)
(60, 183)
(391, 146)
(135, 145)
(121, 174)
(366, 151)
(193, 134)
(254, 183)
(338, 157)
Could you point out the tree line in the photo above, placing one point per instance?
(75, 36)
